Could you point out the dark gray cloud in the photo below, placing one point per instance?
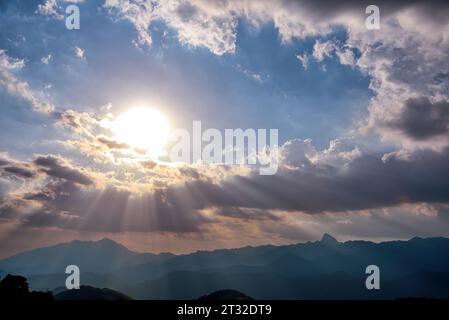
(247, 214)
(16, 169)
(21, 172)
(422, 119)
(53, 167)
(367, 182)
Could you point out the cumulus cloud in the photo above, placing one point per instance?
(213, 25)
(197, 24)
(421, 119)
(201, 24)
(346, 56)
(322, 50)
(50, 8)
(405, 65)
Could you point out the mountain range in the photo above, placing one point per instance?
(325, 269)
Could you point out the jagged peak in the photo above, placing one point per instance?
(328, 239)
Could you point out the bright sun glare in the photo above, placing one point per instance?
(143, 128)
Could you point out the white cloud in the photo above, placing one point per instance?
(322, 50)
(80, 53)
(139, 13)
(346, 56)
(197, 24)
(304, 58)
(47, 59)
(403, 64)
(201, 24)
(50, 8)
(18, 87)
(250, 74)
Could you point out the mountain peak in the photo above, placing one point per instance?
(227, 294)
(111, 244)
(328, 239)
(104, 242)
(416, 239)
(107, 240)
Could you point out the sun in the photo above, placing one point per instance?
(143, 128)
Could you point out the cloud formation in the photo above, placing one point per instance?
(8, 80)
(345, 187)
(54, 167)
(317, 184)
(421, 119)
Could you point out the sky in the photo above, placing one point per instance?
(362, 116)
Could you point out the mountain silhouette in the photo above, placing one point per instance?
(327, 239)
(103, 256)
(324, 269)
(91, 293)
(226, 294)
